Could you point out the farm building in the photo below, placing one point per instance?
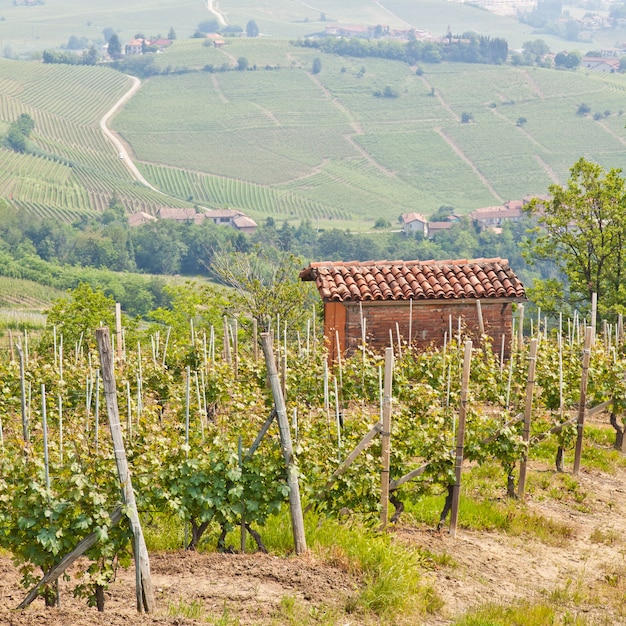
(419, 300)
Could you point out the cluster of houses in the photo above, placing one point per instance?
(220, 217)
(138, 46)
(491, 217)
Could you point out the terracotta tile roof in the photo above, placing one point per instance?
(407, 218)
(418, 280)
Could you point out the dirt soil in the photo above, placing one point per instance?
(484, 567)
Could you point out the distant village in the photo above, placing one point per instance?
(220, 217)
(488, 218)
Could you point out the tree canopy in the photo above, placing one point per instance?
(582, 231)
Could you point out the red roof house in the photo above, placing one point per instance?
(422, 298)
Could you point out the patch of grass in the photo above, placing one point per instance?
(163, 532)
(522, 614)
(390, 573)
(508, 516)
(292, 612)
(225, 619)
(606, 536)
(190, 609)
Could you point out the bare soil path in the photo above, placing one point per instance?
(121, 146)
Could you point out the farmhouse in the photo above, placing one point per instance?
(418, 300)
(231, 217)
(414, 223)
(494, 216)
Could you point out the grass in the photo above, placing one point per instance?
(521, 614)
(367, 155)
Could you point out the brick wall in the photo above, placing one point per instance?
(430, 321)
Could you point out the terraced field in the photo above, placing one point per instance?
(75, 170)
(335, 149)
(278, 140)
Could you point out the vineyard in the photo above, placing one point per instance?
(74, 170)
(204, 451)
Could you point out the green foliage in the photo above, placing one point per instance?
(252, 30)
(582, 230)
(266, 283)
(114, 47)
(78, 316)
(19, 132)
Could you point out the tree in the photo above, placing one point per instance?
(115, 47)
(521, 121)
(171, 35)
(267, 284)
(466, 117)
(582, 231)
(209, 26)
(90, 57)
(316, 68)
(77, 317)
(583, 109)
(242, 64)
(252, 30)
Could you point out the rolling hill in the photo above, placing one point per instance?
(279, 140)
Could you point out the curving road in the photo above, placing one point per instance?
(117, 142)
(218, 15)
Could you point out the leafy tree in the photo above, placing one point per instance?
(26, 124)
(568, 60)
(209, 26)
(466, 117)
(252, 30)
(90, 57)
(19, 132)
(114, 47)
(583, 109)
(582, 231)
(266, 283)
(171, 35)
(107, 33)
(316, 68)
(521, 121)
(242, 64)
(80, 314)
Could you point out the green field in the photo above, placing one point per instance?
(26, 29)
(338, 151)
(73, 170)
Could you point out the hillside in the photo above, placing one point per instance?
(31, 28)
(278, 140)
(74, 169)
(287, 142)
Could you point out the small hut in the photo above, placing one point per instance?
(417, 301)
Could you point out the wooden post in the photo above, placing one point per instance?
(620, 331)
(118, 330)
(520, 327)
(145, 591)
(460, 439)
(234, 330)
(255, 340)
(481, 323)
(44, 426)
(226, 345)
(594, 315)
(385, 439)
(410, 322)
(583, 397)
(25, 430)
(295, 506)
(528, 407)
